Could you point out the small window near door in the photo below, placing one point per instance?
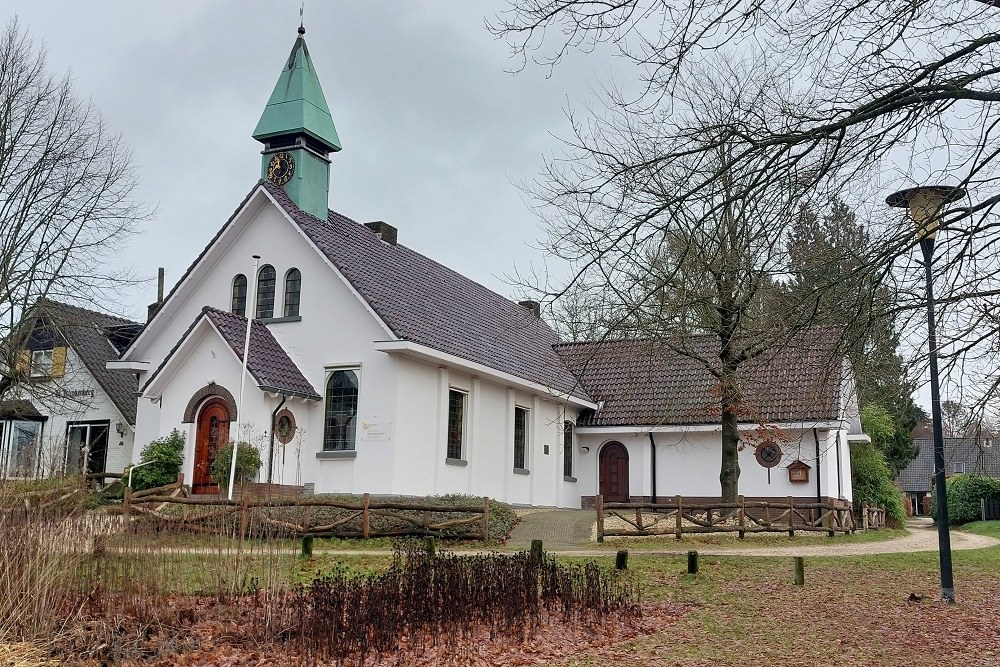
(293, 287)
(958, 467)
(456, 423)
(265, 292)
(520, 437)
(568, 427)
(239, 303)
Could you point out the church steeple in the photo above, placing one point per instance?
(298, 134)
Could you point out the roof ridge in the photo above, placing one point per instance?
(47, 301)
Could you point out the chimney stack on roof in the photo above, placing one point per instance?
(385, 231)
(155, 306)
(532, 307)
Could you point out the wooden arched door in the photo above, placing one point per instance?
(614, 473)
(212, 433)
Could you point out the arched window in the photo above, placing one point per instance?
(340, 423)
(265, 292)
(293, 285)
(240, 295)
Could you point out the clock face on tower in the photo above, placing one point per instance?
(280, 168)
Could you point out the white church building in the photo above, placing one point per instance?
(373, 368)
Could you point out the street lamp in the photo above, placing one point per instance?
(925, 203)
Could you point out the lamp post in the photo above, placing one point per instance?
(924, 204)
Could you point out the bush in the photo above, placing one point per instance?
(168, 453)
(871, 479)
(964, 495)
(248, 464)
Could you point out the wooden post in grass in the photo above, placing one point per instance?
(791, 516)
(127, 502)
(307, 546)
(621, 560)
(599, 506)
(692, 562)
(537, 553)
(800, 571)
(366, 526)
(486, 519)
(429, 547)
(743, 517)
(244, 514)
(829, 518)
(679, 524)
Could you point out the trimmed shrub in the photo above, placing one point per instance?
(964, 495)
(871, 479)
(248, 464)
(168, 453)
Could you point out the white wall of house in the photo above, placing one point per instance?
(75, 397)
(688, 462)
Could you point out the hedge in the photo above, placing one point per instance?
(964, 495)
(871, 480)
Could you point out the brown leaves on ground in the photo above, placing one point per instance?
(215, 638)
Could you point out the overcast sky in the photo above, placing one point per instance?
(437, 134)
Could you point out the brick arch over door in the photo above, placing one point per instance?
(208, 391)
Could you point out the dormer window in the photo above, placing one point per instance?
(41, 363)
(265, 292)
(293, 286)
(239, 306)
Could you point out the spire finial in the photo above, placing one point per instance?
(302, 29)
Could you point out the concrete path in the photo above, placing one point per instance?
(568, 532)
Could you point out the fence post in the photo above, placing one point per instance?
(307, 546)
(366, 529)
(692, 562)
(800, 571)
(791, 516)
(864, 517)
(679, 526)
(486, 519)
(743, 517)
(127, 503)
(244, 514)
(599, 506)
(621, 560)
(537, 553)
(831, 508)
(429, 546)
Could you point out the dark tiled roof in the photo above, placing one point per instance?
(978, 460)
(19, 409)
(269, 364)
(427, 303)
(643, 382)
(89, 333)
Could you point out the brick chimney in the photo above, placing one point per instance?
(532, 307)
(385, 231)
(155, 306)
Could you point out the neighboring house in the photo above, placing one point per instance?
(373, 368)
(973, 456)
(63, 411)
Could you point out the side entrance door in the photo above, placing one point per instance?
(213, 433)
(86, 447)
(614, 473)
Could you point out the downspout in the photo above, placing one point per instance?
(270, 449)
(652, 463)
(819, 494)
(840, 473)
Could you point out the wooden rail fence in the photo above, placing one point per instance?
(677, 517)
(295, 516)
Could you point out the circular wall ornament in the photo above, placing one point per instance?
(284, 426)
(768, 454)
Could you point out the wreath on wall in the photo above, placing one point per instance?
(284, 426)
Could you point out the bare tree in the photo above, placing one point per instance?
(67, 190)
(870, 97)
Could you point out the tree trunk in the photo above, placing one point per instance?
(729, 474)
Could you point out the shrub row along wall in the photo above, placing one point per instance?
(966, 494)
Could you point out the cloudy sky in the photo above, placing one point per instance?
(438, 135)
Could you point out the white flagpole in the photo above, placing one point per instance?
(250, 308)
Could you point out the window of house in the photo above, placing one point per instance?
(520, 437)
(240, 295)
(340, 423)
(293, 285)
(24, 440)
(568, 427)
(41, 363)
(456, 423)
(265, 292)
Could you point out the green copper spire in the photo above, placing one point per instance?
(298, 134)
(297, 104)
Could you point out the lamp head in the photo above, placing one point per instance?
(924, 203)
